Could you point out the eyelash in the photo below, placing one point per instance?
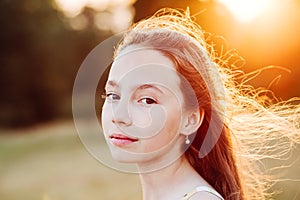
(117, 97)
(153, 101)
(111, 94)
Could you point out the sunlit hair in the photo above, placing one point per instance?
(254, 126)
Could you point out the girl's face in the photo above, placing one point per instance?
(142, 114)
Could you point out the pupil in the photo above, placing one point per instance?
(149, 101)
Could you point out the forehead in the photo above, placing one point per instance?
(137, 65)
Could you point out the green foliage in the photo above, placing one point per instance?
(40, 56)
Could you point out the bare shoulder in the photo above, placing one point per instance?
(204, 196)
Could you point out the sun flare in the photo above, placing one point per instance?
(246, 10)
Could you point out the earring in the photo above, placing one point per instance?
(187, 140)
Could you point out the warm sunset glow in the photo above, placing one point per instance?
(73, 7)
(69, 7)
(114, 15)
(246, 10)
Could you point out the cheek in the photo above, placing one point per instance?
(169, 131)
(173, 121)
(148, 121)
(106, 117)
(141, 117)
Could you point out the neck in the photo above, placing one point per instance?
(171, 182)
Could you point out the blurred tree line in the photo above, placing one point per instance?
(41, 53)
(40, 56)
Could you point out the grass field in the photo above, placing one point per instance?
(49, 163)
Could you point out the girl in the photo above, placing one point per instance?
(177, 111)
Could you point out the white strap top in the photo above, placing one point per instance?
(202, 189)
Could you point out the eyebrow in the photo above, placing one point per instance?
(111, 83)
(146, 86)
(141, 87)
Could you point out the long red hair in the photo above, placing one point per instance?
(218, 166)
(243, 135)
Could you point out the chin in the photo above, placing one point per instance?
(147, 161)
(125, 156)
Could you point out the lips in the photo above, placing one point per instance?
(121, 140)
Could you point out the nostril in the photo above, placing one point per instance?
(120, 114)
(124, 122)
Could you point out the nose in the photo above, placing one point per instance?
(121, 115)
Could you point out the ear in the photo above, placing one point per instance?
(192, 121)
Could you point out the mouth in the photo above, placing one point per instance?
(121, 140)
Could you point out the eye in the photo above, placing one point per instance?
(147, 101)
(112, 96)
